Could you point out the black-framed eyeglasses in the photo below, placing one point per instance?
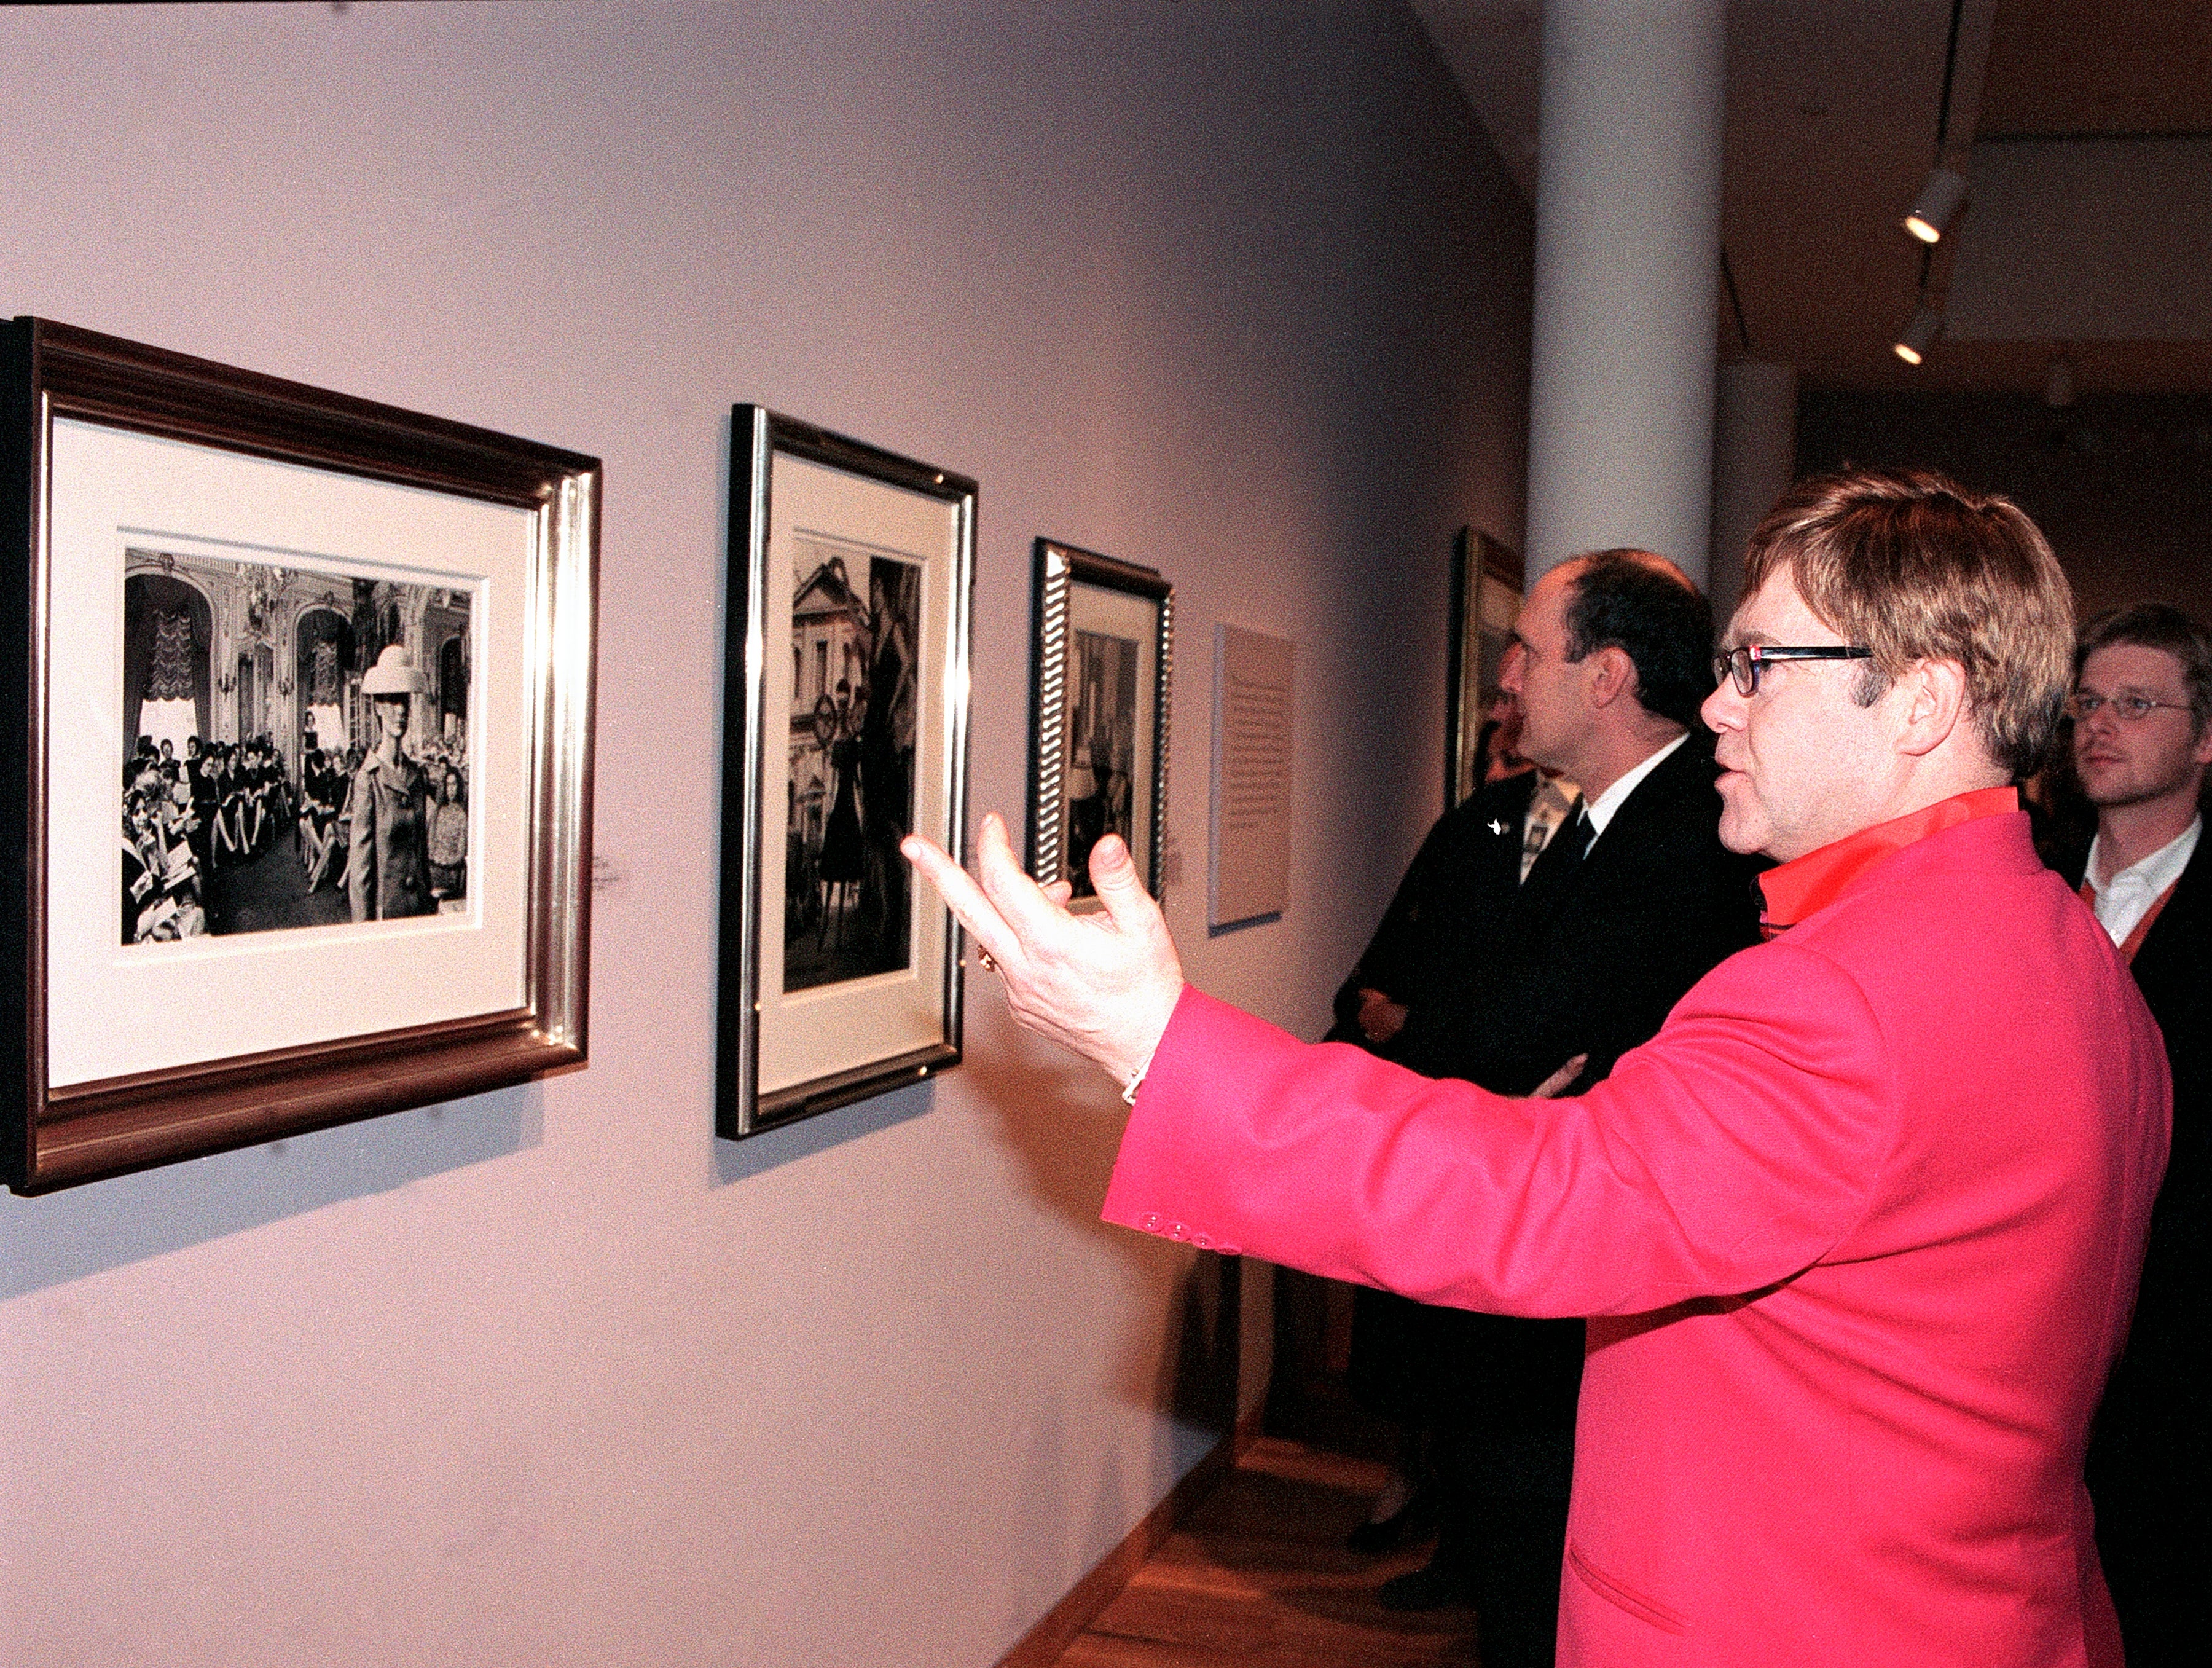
(1743, 664)
(2081, 706)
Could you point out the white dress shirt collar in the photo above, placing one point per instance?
(2122, 902)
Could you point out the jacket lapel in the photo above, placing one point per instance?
(2179, 931)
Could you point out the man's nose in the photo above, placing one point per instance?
(1723, 707)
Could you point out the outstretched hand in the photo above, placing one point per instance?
(1104, 984)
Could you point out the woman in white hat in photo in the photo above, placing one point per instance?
(388, 864)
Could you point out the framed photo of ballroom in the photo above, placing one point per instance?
(327, 668)
(847, 612)
(1485, 597)
(1101, 666)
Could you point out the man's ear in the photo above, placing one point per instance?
(1611, 675)
(1932, 703)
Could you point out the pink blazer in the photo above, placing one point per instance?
(1859, 1230)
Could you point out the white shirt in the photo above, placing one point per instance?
(2123, 901)
(1603, 807)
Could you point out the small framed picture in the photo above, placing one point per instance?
(297, 744)
(1486, 598)
(1101, 668)
(844, 729)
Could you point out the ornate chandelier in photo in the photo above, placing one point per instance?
(263, 586)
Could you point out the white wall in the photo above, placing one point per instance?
(551, 1375)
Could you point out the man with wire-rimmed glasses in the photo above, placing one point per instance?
(1859, 1229)
(2143, 738)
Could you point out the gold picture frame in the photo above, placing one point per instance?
(115, 458)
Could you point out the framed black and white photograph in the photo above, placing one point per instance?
(1486, 598)
(261, 734)
(303, 738)
(845, 720)
(1100, 669)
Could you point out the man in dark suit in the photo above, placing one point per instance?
(1478, 973)
(2143, 738)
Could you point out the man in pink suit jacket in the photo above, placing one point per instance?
(1860, 1228)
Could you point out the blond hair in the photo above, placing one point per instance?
(1915, 568)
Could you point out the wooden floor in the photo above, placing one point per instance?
(1258, 1577)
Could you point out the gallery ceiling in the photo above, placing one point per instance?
(2085, 125)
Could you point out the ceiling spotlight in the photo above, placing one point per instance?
(1919, 336)
(1941, 194)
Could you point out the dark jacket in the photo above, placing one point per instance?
(1506, 981)
(2157, 1400)
(388, 861)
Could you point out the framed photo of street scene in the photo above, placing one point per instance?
(1485, 597)
(844, 729)
(297, 743)
(1100, 669)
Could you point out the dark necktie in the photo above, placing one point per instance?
(1576, 836)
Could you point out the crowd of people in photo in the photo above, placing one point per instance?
(222, 805)
(164, 836)
(226, 805)
(324, 779)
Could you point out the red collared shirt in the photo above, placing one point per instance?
(1795, 889)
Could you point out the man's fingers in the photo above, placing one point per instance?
(1102, 986)
(1029, 914)
(1003, 909)
(1114, 877)
(961, 894)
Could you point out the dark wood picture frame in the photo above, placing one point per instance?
(1486, 595)
(59, 1135)
(1059, 573)
(772, 456)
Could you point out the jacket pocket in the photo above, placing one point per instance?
(1623, 1597)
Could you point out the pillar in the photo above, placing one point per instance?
(1627, 264)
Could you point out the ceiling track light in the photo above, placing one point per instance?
(1942, 195)
(1918, 336)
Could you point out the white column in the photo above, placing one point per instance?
(1627, 262)
(1754, 458)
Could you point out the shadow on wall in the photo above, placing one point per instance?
(1199, 1372)
(771, 1149)
(1057, 1114)
(1197, 1386)
(1060, 1118)
(62, 1237)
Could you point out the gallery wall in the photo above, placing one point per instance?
(551, 1375)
